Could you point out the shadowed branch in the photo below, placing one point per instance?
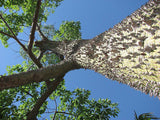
(34, 112)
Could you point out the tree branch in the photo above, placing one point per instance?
(14, 36)
(41, 33)
(64, 113)
(28, 93)
(32, 36)
(61, 113)
(34, 112)
(35, 60)
(39, 75)
(64, 48)
(54, 116)
(31, 55)
(7, 34)
(40, 55)
(33, 29)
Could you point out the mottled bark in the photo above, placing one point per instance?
(65, 48)
(130, 52)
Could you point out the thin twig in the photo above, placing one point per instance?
(64, 113)
(55, 110)
(35, 60)
(30, 67)
(7, 34)
(41, 33)
(23, 40)
(29, 93)
(14, 36)
(29, 51)
(40, 55)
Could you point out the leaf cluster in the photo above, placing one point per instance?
(19, 14)
(69, 30)
(76, 105)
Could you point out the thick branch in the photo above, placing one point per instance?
(37, 75)
(32, 36)
(34, 112)
(35, 60)
(33, 29)
(65, 48)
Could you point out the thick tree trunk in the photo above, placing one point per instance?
(128, 53)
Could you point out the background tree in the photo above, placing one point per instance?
(83, 53)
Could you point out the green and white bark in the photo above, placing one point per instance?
(128, 53)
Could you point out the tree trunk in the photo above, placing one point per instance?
(128, 53)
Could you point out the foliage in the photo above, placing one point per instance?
(69, 30)
(145, 116)
(77, 106)
(19, 14)
(18, 101)
(49, 31)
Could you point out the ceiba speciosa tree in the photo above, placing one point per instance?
(128, 53)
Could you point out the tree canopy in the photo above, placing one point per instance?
(128, 53)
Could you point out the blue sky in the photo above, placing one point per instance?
(96, 16)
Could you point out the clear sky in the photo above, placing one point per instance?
(96, 16)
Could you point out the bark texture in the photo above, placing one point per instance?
(39, 75)
(130, 52)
